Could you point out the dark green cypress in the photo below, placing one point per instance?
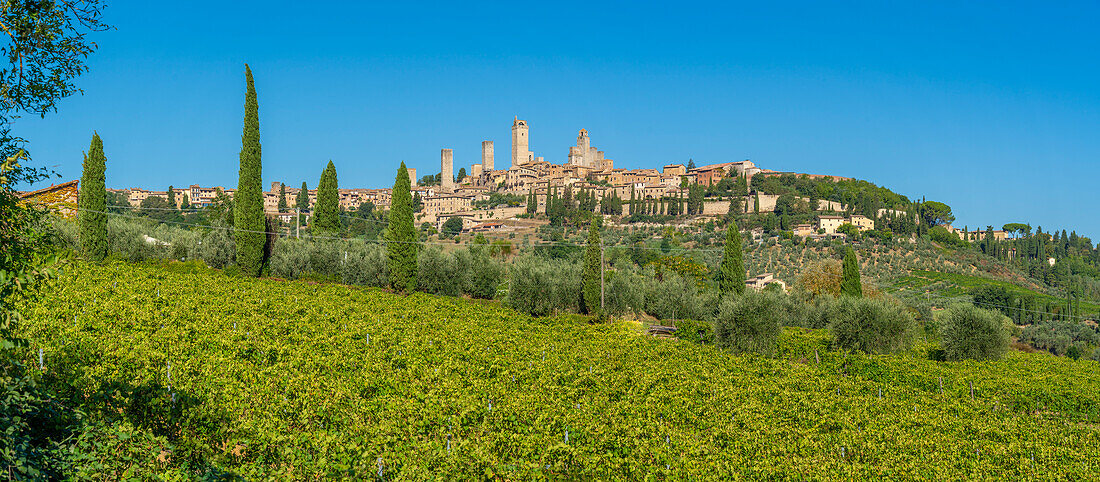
(731, 274)
(248, 203)
(850, 284)
(92, 202)
(302, 201)
(401, 234)
(592, 268)
(326, 218)
(171, 196)
(283, 207)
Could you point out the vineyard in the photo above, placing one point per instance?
(270, 379)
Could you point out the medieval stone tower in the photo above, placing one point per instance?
(446, 168)
(520, 152)
(487, 154)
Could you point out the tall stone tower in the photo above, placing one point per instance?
(446, 169)
(520, 152)
(486, 156)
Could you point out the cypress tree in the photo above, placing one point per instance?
(731, 274)
(283, 207)
(327, 216)
(532, 202)
(849, 283)
(171, 196)
(186, 203)
(302, 201)
(756, 204)
(401, 234)
(92, 202)
(248, 203)
(592, 269)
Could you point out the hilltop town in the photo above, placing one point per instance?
(466, 194)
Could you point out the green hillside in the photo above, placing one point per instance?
(291, 380)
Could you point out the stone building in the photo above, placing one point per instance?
(487, 156)
(584, 154)
(446, 169)
(521, 153)
(59, 198)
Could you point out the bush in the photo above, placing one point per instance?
(622, 294)
(695, 331)
(544, 286)
(126, 240)
(751, 322)
(871, 325)
(973, 333)
(481, 273)
(290, 259)
(438, 273)
(217, 249)
(677, 297)
(365, 265)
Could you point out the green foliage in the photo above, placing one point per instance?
(302, 201)
(274, 380)
(452, 227)
(1063, 338)
(941, 235)
(850, 284)
(326, 216)
(593, 269)
(750, 322)
(248, 203)
(971, 333)
(400, 236)
(731, 274)
(438, 273)
(542, 287)
(870, 325)
(283, 206)
(92, 202)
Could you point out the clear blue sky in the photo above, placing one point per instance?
(991, 107)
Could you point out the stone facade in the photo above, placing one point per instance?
(487, 155)
(521, 152)
(446, 169)
(60, 198)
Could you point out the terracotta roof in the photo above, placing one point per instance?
(53, 187)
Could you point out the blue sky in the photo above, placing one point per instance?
(991, 107)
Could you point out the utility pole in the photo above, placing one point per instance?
(297, 222)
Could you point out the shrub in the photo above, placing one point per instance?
(969, 332)
(438, 273)
(217, 249)
(751, 322)
(544, 286)
(481, 273)
(365, 265)
(678, 297)
(126, 240)
(871, 325)
(695, 331)
(622, 293)
(290, 259)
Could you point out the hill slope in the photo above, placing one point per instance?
(272, 379)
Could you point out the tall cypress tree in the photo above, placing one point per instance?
(326, 217)
(171, 196)
(592, 268)
(756, 204)
(92, 202)
(401, 234)
(849, 283)
(532, 202)
(731, 274)
(248, 203)
(302, 201)
(283, 207)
